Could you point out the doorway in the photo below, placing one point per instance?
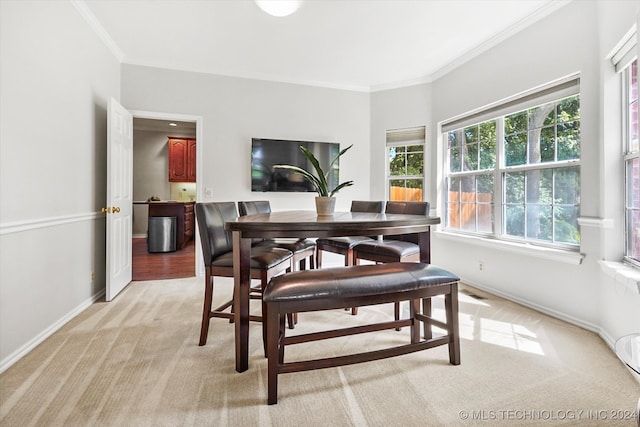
(151, 132)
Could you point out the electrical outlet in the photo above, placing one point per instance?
(93, 276)
(481, 266)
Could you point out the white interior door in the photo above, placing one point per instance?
(119, 198)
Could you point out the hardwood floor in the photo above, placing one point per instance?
(168, 265)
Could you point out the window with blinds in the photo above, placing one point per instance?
(405, 164)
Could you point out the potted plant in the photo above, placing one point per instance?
(325, 202)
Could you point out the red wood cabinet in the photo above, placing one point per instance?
(182, 160)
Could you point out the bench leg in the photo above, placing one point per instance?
(451, 307)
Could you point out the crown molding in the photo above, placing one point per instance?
(540, 13)
(95, 25)
(543, 11)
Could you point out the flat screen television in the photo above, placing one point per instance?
(265, 153)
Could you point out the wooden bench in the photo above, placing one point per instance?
(356, 286)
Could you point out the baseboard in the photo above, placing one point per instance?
(604, 335)
(546, 310)
(8, 361)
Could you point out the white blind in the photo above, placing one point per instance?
(406, 136)
(541, 95)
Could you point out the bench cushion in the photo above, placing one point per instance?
(355, 281)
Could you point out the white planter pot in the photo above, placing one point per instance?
(325, 206)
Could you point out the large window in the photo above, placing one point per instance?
(405, 154)
(632, 161)
(516, 175)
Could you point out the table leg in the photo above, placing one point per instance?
(425, 247)
(242, 281)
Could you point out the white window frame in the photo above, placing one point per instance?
(403, 138)
(629, 156)
(554, 91)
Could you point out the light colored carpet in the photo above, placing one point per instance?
(136, 362)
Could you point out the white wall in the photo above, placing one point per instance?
(55, 79)
(618, 290)
(402, 108)
(234, 110)
(563, 43)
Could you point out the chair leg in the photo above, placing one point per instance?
(396, 312)
(426, 310)
(453, 330)
(206, 310)
(291, 320)
(272, 339)
(349, 261)
(318, 258)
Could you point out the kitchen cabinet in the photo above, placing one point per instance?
(185, 218)
(182, 160)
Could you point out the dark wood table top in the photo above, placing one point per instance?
(309, 224)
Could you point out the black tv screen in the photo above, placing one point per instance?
(265, 153)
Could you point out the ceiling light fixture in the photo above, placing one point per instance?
(173, 124)
(279, 7)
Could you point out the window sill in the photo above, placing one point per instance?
(622, 275)
(569, 257)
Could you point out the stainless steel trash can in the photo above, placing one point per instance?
(161, 236)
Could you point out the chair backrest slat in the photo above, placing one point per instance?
(407, 208)
(211, 217)
(376, 206)
(254, 207)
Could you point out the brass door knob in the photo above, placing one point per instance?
(116, 209)
(105, 210)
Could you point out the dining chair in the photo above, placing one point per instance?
(344, 245)
(393, 248)
(302, 249)
(217, 251)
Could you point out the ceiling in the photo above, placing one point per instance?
(362, 45)
(169, 126)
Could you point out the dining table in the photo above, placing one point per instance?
(307, 224)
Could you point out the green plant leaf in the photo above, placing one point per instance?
(340, 187)
(319, 182)
(321, 174)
